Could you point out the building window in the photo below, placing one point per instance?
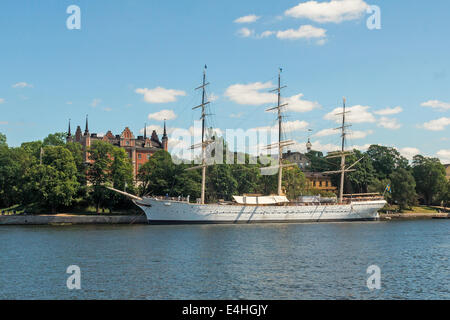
(139, 156)
(128, 143)
(148, 156)
(139, 165)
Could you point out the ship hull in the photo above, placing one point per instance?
(174, 212)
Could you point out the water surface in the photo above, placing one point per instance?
(276, 261)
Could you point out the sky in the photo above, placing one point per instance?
(132, 63)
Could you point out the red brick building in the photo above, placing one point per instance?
(139, 149)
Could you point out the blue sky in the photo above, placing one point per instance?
(132, 59)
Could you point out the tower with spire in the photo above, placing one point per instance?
(308, 146)
(165, 139)
(69, 137)
(139, 149)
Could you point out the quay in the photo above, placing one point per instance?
(68, 219)
(78, 219)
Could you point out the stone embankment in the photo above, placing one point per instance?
(67, 219)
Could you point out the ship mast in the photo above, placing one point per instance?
(343, 133)
(280, 149)
(203, 137)
(204, 143)
(342, 154)
(280, 144)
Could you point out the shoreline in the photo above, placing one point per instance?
(77, 219)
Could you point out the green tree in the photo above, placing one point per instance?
(403, 188)
(445, 195)
(55, 139)
(294, 181)
(53, 183)
(14, 162)
(121, 177)
(385, 160)
(220, 183)
(359, 180)
(3, 140)
(157, 174)
(430, 178)
(77, 152)
(99, 171)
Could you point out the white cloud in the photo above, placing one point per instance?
(236, 115)
(162, 115)
(2, 100)
(107, 109)
(363, 147)
(409, 152)
(436, 104)
(250, 94)
(247, 19)
(359, 134)
(3, 122)
(245, 32)
(326, 132)
(213, 97)
(69, 102)
(389, 123)
(333, 11)
(304, 32)
(444, 156)
(95, 102)
(357, 114)
(437, 125)
(257, 94)
(22, 85)
(159, 94)
(288, 126)
(159, 130)
(389, 111)
(316, 145)
(351, 134)
(266, 34)
(296, 104)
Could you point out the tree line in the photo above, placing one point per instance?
(53, 175)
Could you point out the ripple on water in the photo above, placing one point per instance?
(295, 261)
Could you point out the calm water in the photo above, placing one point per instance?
(293, 261)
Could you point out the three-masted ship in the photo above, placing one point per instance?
(259, 209)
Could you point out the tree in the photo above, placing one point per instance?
(78, 156)
(385, 160)
(430, 178)
(220, 183)
(403, 188)
(445, 195)
(364, 175)
(156, 175)
(99, 171)
(3, 140)
(53, 183)
(121, 177)
(55, 139)
(294, 181)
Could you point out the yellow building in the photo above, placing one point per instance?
(319, 181)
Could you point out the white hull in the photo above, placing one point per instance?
(167, 211)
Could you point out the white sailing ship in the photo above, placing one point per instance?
(260, 209)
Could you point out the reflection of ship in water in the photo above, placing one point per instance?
(259, 208)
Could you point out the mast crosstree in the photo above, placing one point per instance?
(342, 154)
(203, 143)
(280, 144)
